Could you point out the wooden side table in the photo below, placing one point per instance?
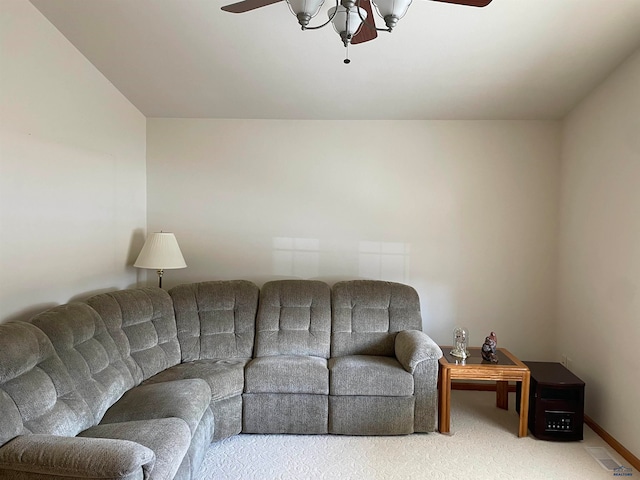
(508, 368)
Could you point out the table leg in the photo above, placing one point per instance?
(444, 401)
(502, 394)
(524, 404)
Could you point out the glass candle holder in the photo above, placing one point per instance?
(460, 342)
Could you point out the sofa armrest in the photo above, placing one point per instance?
(419, 355)
(413, 347)
(51, 456)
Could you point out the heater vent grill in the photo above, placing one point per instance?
(603, 458)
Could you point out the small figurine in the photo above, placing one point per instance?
(489, 348)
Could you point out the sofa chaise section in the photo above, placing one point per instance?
(143, 326)
(174, 413)
(43, 412)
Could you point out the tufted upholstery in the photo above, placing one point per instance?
(216, 329)
(142, 323)
(37, 394)
(287, 382)
(294, 318)
(367, 314)
(371, 391)
(215, 320)
(138, 383)
(88, 352)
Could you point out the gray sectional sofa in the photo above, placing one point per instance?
(138, 383)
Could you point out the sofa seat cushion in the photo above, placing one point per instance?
(369, 375)
(225, 377)
(185, 399)
(287, 374)
(168, 438)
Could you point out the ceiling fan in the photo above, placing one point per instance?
(349, 17)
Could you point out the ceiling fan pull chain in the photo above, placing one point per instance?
(346, 60)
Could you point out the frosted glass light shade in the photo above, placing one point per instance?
(161, 252)
(391, 10)
(304, 10)
(346, 21)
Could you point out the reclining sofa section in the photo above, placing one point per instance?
(138, 383)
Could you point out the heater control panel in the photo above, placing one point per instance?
(559, 421)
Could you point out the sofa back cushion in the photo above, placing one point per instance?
(367, 314)
(142, 323)
(88, 352)
(37, 395)
(216, 320)
(294, 318)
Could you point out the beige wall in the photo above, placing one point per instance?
(464, 211)
(599, 314)
(72, 171)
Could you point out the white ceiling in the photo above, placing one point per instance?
(514, 59)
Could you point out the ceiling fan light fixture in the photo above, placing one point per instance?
(391, 10)
(347, 16)
(305, 10)
(346, 22)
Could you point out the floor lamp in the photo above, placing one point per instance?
(160, 252)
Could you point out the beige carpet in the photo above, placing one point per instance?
(483, 445)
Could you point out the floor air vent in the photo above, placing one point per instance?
(603, 458)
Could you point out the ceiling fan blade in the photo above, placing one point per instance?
(366, 33)
(471, 3)
(248, 5)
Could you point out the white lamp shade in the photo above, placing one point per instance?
(395, 8)
(347, 20)
(160, 251)
(310, 7)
